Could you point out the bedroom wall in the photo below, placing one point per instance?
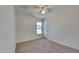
(63, 26)
(7, 29)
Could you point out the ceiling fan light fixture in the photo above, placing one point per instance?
(43, 12)
(44, 9)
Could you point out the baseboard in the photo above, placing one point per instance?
(62, 44)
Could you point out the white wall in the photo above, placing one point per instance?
(7, 29)
(25, 28)
(63, 26)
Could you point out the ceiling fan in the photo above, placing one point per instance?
(43, 8)
(43, 12)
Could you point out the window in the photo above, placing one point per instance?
(39, 28)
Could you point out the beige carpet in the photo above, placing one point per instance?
(43, 46)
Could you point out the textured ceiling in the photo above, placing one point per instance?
(32, 10)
